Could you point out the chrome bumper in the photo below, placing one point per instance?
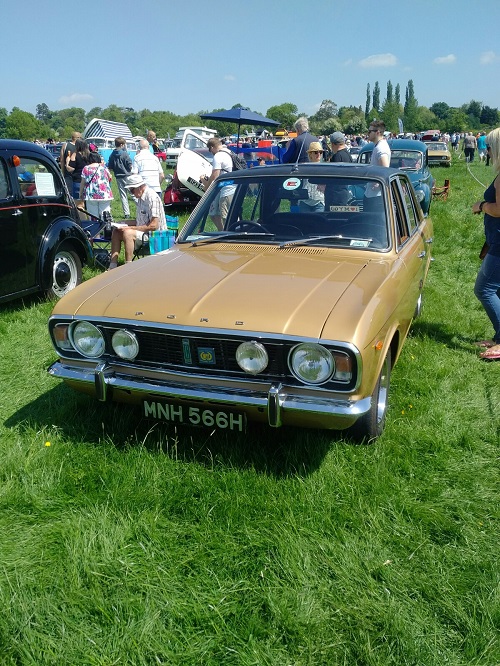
(276, 401)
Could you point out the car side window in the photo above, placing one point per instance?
(5, 189)
(402, 228)
(409, 204)
(36, 179)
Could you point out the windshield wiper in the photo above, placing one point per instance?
(231, 235)
(311, 239)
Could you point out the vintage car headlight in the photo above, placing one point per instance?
(420, 195)
(252, 357)
(87, 339)
(125, 344)
(311, 363)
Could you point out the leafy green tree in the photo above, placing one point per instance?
(440, 109)
(327, 109)
(114, 113)
(410, 109)
(285, 114)
(397, 95)
(456, 121)
(425, 120)
(352, 119)
(390, 111)
(376, 97)
(3, 123)
(367, 104)
(43, 113)
(95, 112)
(489, 116)
(23, 125)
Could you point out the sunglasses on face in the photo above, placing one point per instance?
(315, 152)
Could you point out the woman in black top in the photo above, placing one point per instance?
(75, 163)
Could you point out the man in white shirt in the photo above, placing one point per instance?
(150, 217)
(381, 155)
(148, 166)
(222, 164)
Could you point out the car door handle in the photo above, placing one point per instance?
(430, 240)
(17, 212)
(422, 254)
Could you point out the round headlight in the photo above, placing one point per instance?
(252, 357)
(87, 339)
(125, 344)
(420, 195)
(311, 363)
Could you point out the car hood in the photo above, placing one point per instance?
(290, 291)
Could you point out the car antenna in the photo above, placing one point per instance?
(296, 165)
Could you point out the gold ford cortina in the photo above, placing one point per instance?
(438, 153)
(286, 299)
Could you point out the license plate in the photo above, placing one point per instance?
(193, 415)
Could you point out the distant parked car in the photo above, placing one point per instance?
(54, 149)
(412, 157)
(43, 245)
(438, 153)
(284, 312)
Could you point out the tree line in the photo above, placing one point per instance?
(58, 125)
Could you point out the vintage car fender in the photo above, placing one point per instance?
(63, 232)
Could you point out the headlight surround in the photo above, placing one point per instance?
(311, 363)
(252, 357)
(125, 344)
(87, 339)
(420, 195)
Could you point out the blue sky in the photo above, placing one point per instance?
(187, 56)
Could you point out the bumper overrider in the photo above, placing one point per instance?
(274, 403)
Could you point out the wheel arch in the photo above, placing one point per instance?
(64, 233)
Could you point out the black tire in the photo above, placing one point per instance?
(371, 425)
(66, 273)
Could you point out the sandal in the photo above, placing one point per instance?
(486, 344)
(491, 354)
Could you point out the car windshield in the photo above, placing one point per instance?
(280, 209)
(408, 160)
(436, 145)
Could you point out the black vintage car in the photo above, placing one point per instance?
(43, 245)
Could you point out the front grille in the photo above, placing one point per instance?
(210, 355)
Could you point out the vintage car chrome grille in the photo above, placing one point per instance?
(209, 355)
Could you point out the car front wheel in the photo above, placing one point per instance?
(371, 425)
(66, 273)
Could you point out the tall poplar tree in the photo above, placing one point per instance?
(376, 96)
(368, 99)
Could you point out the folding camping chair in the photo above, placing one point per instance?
(99, 230)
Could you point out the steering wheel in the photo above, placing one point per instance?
(246, 225)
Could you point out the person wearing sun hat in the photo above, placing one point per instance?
(315, 202)
(150, 217)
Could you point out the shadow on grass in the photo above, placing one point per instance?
(434, 331)
(280, 452)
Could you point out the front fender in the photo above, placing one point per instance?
(63, 232)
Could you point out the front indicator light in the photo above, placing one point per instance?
(252, 357)
(311, 363)
(125, 344)
(87, 339)
(61, 339)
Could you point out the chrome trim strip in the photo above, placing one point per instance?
(276, 400)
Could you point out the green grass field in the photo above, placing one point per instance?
(123, 542)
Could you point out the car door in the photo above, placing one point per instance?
(13, 259)
(411, 240)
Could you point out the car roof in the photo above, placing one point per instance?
(305, 169)
(22, 146)
(399, 144)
